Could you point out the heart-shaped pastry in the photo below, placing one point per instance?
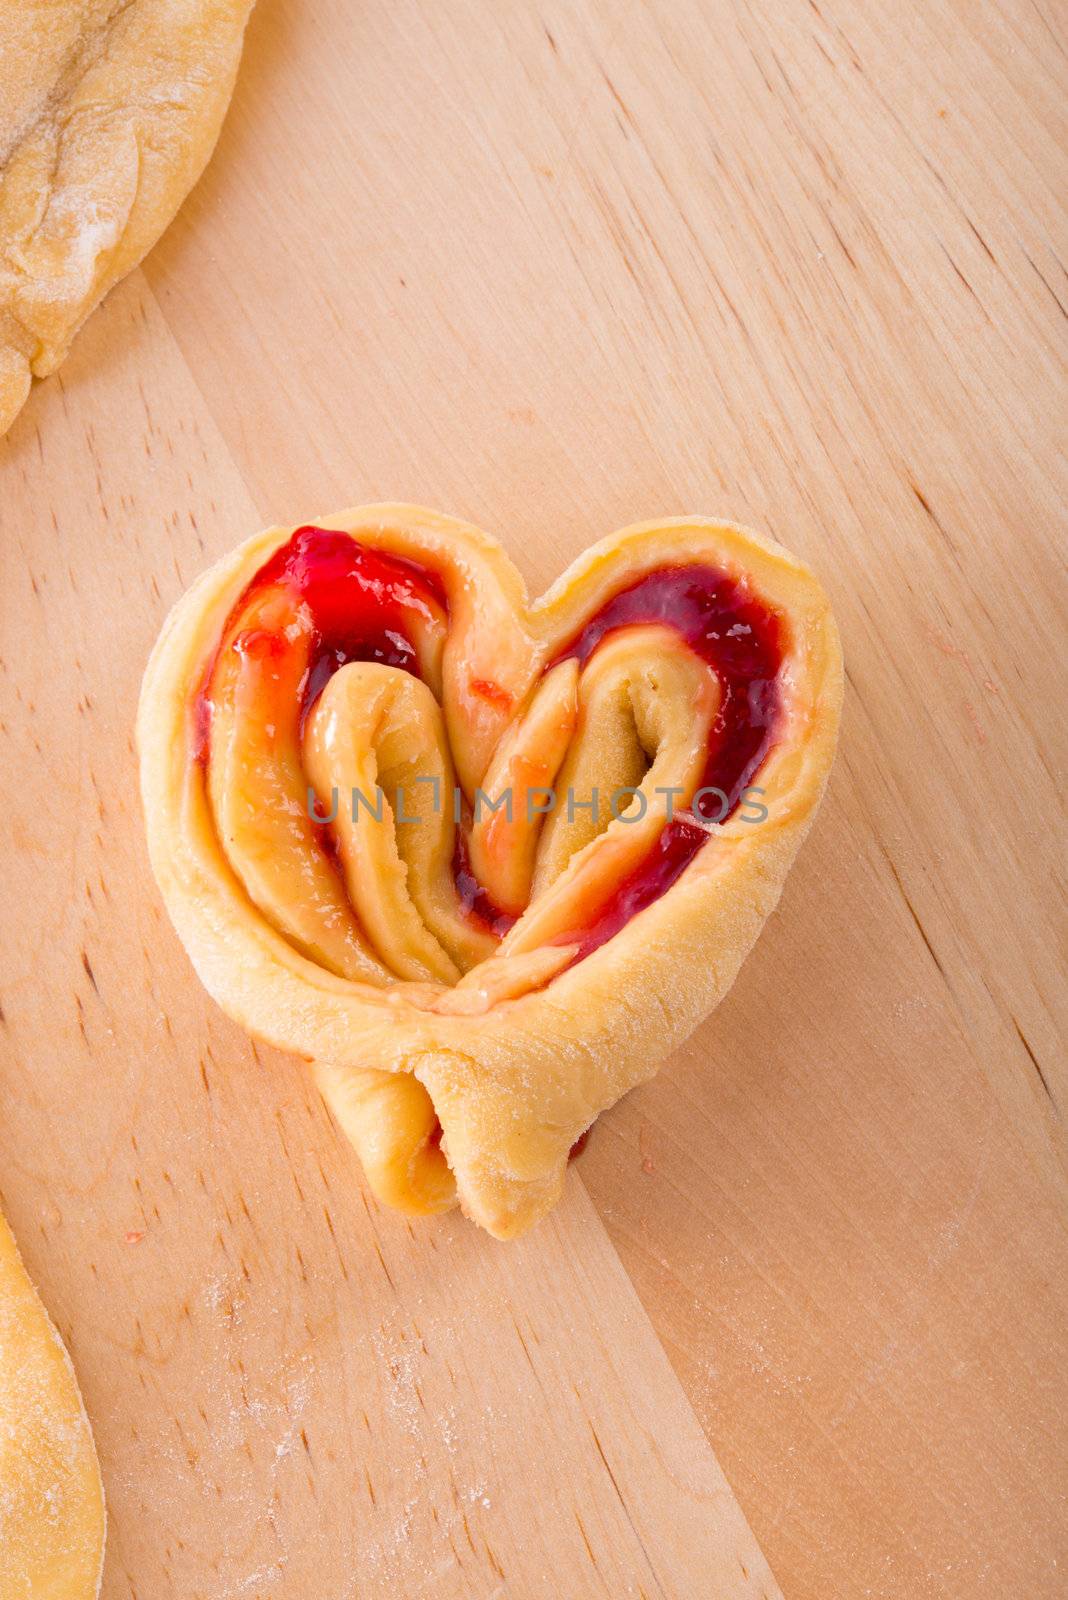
(483, 862)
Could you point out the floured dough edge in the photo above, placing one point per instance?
(108, 116)
(52, 1514)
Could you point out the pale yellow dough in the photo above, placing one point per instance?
(51, 1498)
(109, 110)
(462, 1068)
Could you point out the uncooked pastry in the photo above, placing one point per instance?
(475, 988)
(51, 1499)
(109, 110)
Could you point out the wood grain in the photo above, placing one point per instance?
(555, 269)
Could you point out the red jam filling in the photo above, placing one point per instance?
(580, 1144)
(363, 602)
(474, 900)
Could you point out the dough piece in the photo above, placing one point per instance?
(51, 1497)
(474, 986)
(109, 110)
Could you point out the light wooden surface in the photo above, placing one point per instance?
(556, 268)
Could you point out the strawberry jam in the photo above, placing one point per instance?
(362, 604)
(475, 902)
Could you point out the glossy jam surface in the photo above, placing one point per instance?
(741, 638)
(364, 605)
(361, 602)
(355, 594)
(473, 897)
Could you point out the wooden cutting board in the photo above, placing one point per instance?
(556, 268)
